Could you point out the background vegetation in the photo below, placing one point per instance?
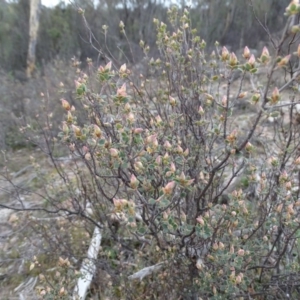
(62, 34)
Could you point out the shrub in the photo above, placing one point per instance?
(193, 197)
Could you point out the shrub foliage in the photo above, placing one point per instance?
(192, 170)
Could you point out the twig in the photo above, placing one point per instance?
(290, 81)
(22, 171)
(282, 105)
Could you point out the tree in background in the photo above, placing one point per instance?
(35, 7)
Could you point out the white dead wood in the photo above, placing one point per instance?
(88, 267)
(26, 288)
(145, 272)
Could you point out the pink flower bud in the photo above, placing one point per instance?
(179, 150)
(238, 279)
(165, 215)
(97, 131)
(158, 119)
(265, 56)
(168, 189)
(186, 152)
(134, 183)
(290, 209)
(72, 147)
(130, 118)
(155, 143)
(241, 252)
(65, 104)
(123, 68)
(167, 145)
(283, 176)
(200, 220)
(127, 107)
(166, 157)
(88, 156)
(275, 96)
(255, 98)
(113, 152)
(85, 149)
(242, 95)
(77, 83)
(169, 174)
(76, 130)
(221, 246)
(209, 97)
(199, 264)
(172, 167)
(288, 186)
(121, 92)
(138, 166)
(65, 128)
(284, 61)
(297, 161)
(249, 147)
(224, 54)
(231, 138)
(251, 61)
(279, 208)
(246, 53)
(224, 101)
(138, 130)
(201, 110)
(151, 139)
(233, 61)
(215, 246)
(158, 160)
(119, 203)
(181, 178)
(273, 161)
(108, 66)
(172, 101)
(293, 8)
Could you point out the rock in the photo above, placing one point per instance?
(5, 214)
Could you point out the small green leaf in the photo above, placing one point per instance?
(152, 201)
(254, 70)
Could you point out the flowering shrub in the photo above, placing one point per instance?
(194, 197)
